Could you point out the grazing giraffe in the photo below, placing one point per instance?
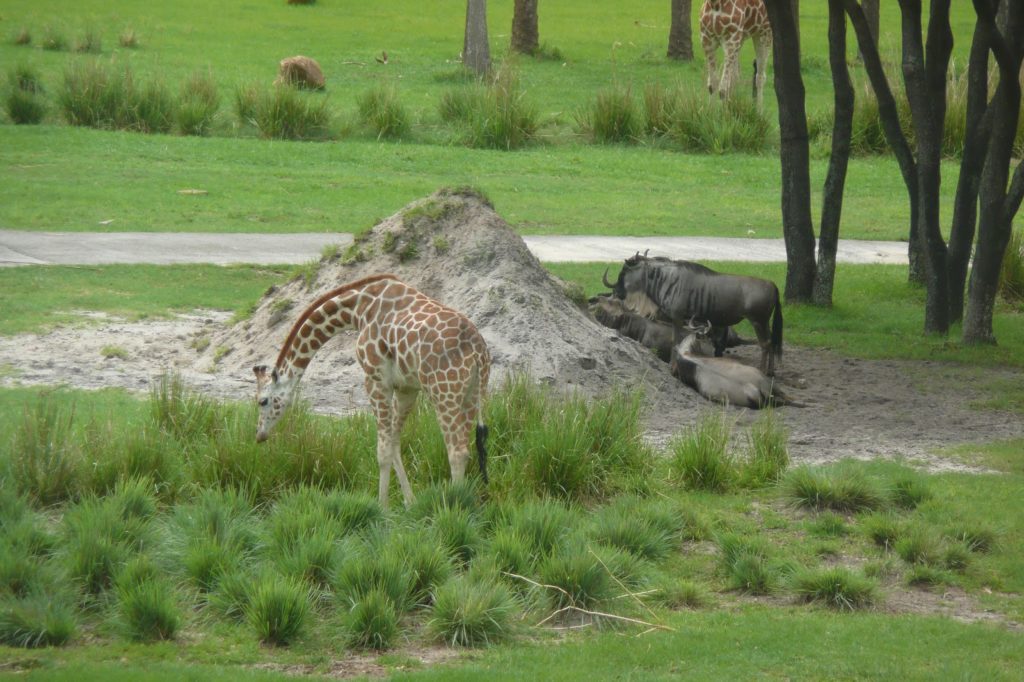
(728, 23)
(407, 342)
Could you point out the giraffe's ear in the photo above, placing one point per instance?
(273, 375)
(261, 374)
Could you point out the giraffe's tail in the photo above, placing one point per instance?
(481, 450)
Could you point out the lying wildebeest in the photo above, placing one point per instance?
(654, 334)
(722, 380)
(681, 290)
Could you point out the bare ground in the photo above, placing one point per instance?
(456, 248)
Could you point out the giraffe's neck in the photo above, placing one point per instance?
(349, 307)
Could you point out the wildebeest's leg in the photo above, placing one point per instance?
(767, 365)
(720, 338)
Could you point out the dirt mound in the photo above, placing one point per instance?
(454, 247)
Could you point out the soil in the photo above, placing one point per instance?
(454, 247)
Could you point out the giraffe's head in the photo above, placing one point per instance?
(272, 397)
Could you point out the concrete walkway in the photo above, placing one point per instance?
(164, 248)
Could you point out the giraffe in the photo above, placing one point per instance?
(407, 342)
(728, 23)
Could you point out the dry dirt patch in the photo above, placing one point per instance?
(453, 246)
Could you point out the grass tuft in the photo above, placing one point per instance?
(470, 612)
(613, 117)
(844, 490)
(278, 609)
(36, 620)
(197, 104)
(699, 459)
(284, 113)
(837, 588)
(1011, 274)
(381, 111)
(149, 609)
(373, 622)
(768, 450)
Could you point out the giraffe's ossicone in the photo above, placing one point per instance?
(407, 343)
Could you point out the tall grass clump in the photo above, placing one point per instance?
(660, 106)
(1011, 274)
(699, 459)
(626, 525)
(427, 563)
(374, 567)
(278, 609)
(576, 577)
(181, 412)
(36, 620)
(381, 111)
(837, 588)
(128, 39)
(883, 529)
(504, 118)
(22, 37)
(746, 563)
(712, 126)
(91, 41)
(282, 112)
(213, 536)
(96, 95)
(372, 622)
(54, 39)
(45, 461)
(612, 117)
(197, 104)
(844, 490)
(149, 609)
(458, 105)
(24, 102)
(768, 451)
(470, 612)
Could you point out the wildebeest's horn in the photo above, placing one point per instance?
(604, 280)
(646, 251)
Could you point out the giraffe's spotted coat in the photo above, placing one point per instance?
(726, 24)
(407, 342)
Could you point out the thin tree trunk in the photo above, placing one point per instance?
(997, 205)
(525, 37)
(680, 34)
(894, 135)
(835, 180)
(924, 75)
(794, 154)
(872, 12)
(965, 204)
(476, 51)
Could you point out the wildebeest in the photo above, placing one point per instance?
(723, 380)
(654, 334)
(681, 291)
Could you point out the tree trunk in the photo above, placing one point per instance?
(872, 12)
(997, 205)
(835, 181)
(476, 52)
(680, 34)
(525, 38)
(965, 204)
(794, 154)
(924, 76)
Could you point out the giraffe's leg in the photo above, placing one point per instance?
(710, 47)
(762, 46)
(404, 402)
(456, 426)
(731, 70)
(381, 404)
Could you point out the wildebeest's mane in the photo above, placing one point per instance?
(663, 261)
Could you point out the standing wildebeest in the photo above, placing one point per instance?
(681, 291)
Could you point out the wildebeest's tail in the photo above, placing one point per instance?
(777, 327)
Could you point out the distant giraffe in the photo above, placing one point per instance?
(407, 342)
(728, 23)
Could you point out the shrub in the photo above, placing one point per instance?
(278, 609)
(282, 112)
(699, 459)
(382, 112)
(613, 117)
(504, 118)
(197, 104)
(373, 621)
(23, 107)
(472, 612)
(710, 126)
(36, 620)
(837, 588)
(150, 610)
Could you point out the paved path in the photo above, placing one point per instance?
(95, 248)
